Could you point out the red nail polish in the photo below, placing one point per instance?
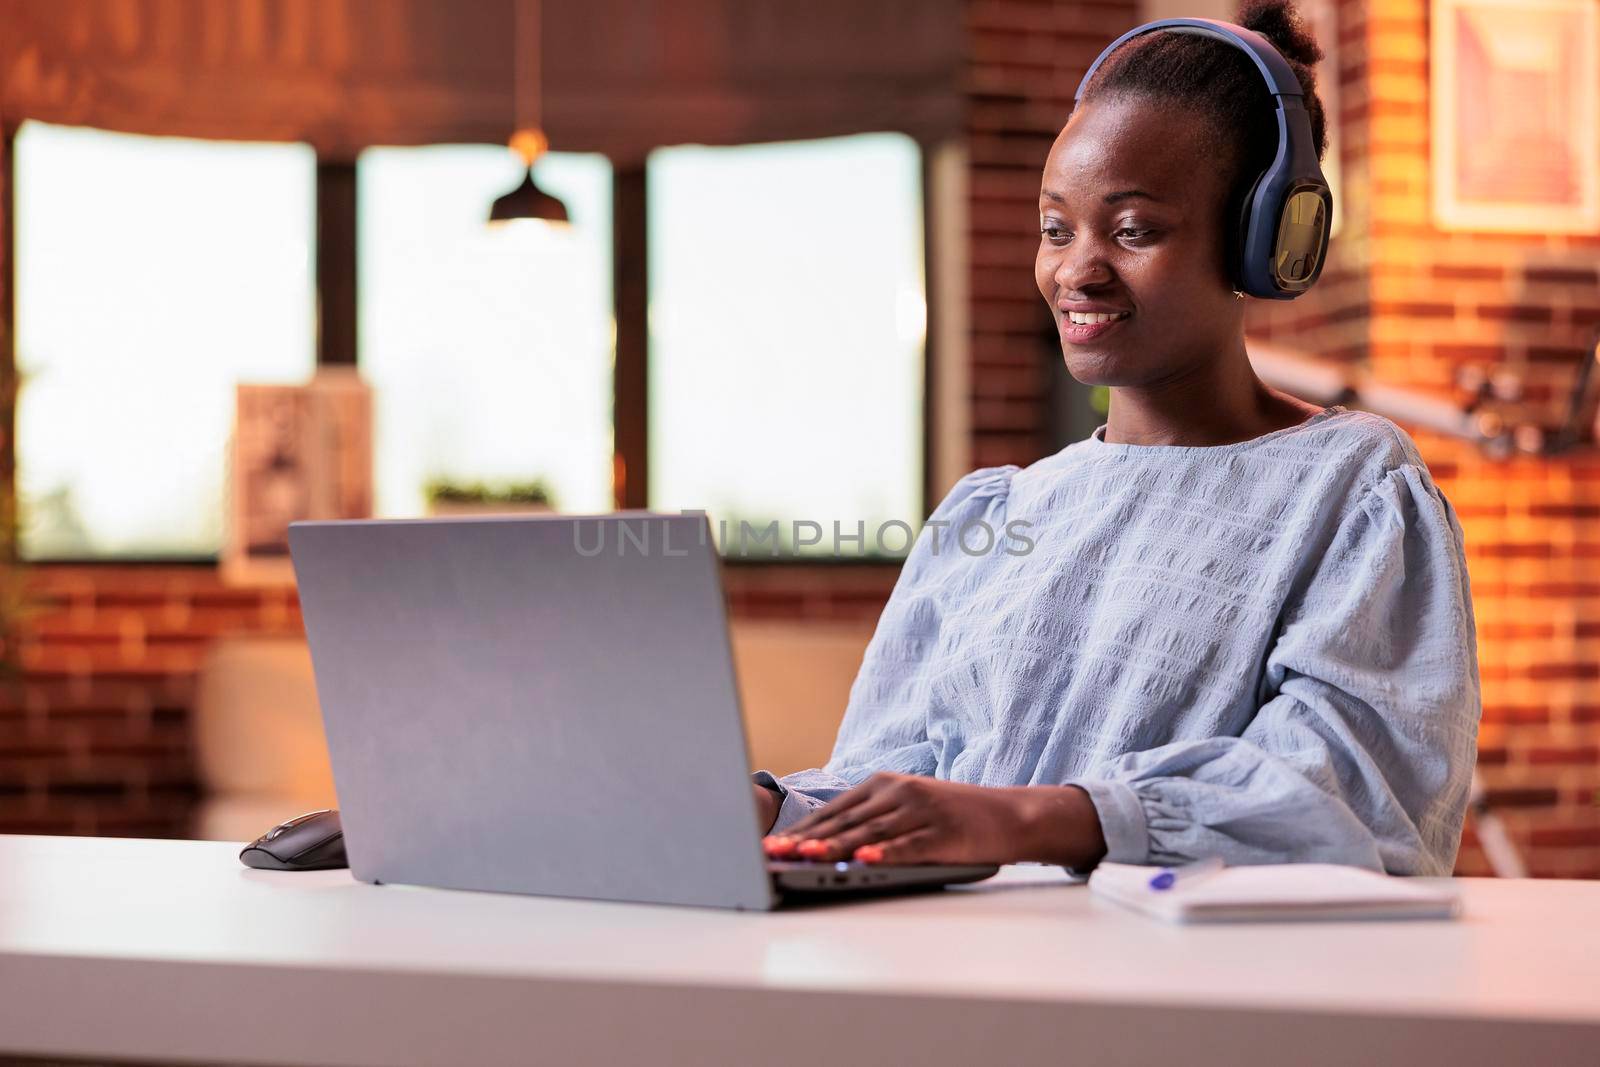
(869, 853)
(811, 848)
(778, 846)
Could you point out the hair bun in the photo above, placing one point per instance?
(1280, 23)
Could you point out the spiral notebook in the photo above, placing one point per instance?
(1290, 892)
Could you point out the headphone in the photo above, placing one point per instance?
(1281, 239)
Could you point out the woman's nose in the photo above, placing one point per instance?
(1082, 266)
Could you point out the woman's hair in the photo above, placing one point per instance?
(1222, 84)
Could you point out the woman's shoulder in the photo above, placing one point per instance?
(1371, 459)
(1376, 480)
(1360, 440)
(976, 489)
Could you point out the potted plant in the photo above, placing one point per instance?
(447, 497)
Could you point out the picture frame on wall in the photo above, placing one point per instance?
(1515, 89)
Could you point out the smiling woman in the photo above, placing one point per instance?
(1244, 628)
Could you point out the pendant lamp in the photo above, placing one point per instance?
(527, 202)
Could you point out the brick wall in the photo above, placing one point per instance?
(94, 731)
(1533, 550)
(1025, 61)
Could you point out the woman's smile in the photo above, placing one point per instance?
(1082, 323)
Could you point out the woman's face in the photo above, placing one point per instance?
(1130, 210)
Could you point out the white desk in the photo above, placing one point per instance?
(170, 950)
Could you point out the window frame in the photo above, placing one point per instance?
(10, 541)
(632, 452)
(337, 339)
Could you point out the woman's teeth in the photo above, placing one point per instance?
(1080, 318)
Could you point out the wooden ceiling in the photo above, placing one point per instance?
(619, 76)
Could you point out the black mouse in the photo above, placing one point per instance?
(312, 842)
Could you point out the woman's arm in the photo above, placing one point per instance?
(884, 727)
(1363, 749)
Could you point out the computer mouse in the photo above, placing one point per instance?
(312, 842)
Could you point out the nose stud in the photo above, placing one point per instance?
(1238, 295)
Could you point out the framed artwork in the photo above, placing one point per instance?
(1515, 87)
(299, 452)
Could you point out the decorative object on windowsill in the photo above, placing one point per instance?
(298, 452)
(1489, 409)
(527, 202)
(478, 498)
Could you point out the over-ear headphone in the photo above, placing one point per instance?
(1282, 236)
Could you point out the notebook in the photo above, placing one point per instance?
(1282, 892)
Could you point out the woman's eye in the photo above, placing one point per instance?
(1053, 233)
(1133, 234)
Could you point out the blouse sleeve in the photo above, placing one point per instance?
(1362, 750)
(885, 724)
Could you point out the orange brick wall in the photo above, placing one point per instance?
(1533, 550)
(1025, 60)
(94, 732)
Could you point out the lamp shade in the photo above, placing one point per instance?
(528, 201)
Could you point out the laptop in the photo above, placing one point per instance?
(546, 704)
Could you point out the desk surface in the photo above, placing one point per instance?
(171, 949)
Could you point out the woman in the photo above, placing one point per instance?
(1244, 628)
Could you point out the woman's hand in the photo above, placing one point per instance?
(909, 818)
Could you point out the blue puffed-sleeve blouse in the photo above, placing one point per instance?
(1262, 651)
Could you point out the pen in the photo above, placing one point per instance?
(1189, 872)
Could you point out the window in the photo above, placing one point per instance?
(787, 332)
(153, 274)
(489, 349)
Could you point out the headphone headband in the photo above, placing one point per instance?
(1274, 68)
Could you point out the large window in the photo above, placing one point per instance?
(489, 349)
(153, 274)
(787, 331)
(786, 327)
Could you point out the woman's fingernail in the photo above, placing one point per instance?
(778, 846)
(812, 848)
(869, 853)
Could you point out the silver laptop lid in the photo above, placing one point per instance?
(533, 705)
